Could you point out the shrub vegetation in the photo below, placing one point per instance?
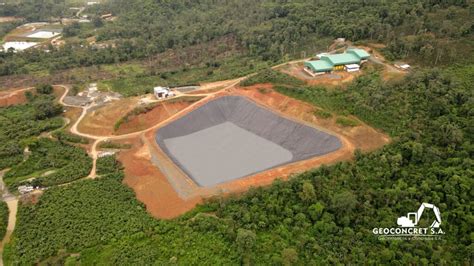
(324, 216)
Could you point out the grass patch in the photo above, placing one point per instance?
(322, 114)
(114, 145)
(186, 99)
(65, 136)
(263, 90)
(130, 69)
(346, 122)
(147, 108)
(274, 77)
(134, 81)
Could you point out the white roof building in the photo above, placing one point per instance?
(352, 67)
(402, 66)
(18, 46)
(161, 90)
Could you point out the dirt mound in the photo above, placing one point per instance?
(150, 118)
(102, 121)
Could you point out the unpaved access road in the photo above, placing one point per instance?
(98, 139)
(12, 202)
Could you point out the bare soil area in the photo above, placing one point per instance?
(8, 98)
(17, 96)
(150, 185)
(101, 121)
(213, 86)
(9, 19)
(168, 192)
(148, 119)
(332, 79)
(363, 136)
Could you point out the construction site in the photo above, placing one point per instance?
(180, 146)
(215, 140)
(342, 63)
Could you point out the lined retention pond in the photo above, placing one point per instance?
(232, 137)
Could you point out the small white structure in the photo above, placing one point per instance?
(103, 154)
(18, 46)
(92, 87)
(321, 55)
(403, 66)
(44, 34)
(352, 67)
(91, 3)
(25, 189)
(162, 92)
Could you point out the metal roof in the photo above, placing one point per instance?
(328, 61)
(160, 89)
(319, 65)
(342, 59)
(361, 53)
(353, 66)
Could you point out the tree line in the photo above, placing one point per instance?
(268, 29)
(323, 216)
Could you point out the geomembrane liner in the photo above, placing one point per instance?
(232, 137)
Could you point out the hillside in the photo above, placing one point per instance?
(90, 158)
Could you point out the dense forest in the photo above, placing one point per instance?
(324, 216)
(34, 10)
(19, 123)
(266, 29)
(3, 218)
(49, 162)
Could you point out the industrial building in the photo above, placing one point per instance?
(349, 61)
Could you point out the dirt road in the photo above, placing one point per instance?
(98, 139)
(12, 202)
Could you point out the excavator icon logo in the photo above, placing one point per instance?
(412, 218)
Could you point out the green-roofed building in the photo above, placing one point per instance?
(341, 59)
(361, 53)
(352, 58)
(319, 66)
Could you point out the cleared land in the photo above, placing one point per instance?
(12, 97)
(165, 188)
(332, 79)
(43, 34)
(9, 19)
(101, 121)
(168, 191)
(149, 118)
